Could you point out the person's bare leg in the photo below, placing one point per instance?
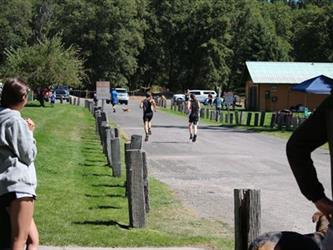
(20, 211)
(33, 237)
(149, 128)
(146, 127)
(195, 129)
(190, 130)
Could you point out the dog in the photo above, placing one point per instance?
(125, 109)
(286, 240)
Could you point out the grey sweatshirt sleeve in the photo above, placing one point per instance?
(21, 141)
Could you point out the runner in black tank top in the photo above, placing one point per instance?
(194, 113)
(148, 106)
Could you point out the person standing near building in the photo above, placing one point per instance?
(17, 170)
(310, 135)
(114, 99)
(148, 106)
(218, 106)
(193, 108)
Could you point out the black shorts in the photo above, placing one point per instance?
(193, 118)
(147, 117)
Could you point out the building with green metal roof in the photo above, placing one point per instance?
(268, 87)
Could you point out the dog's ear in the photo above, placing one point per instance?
(316, 216)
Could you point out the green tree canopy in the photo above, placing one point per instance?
(15, 29)
(44, 64)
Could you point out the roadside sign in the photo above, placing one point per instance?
(103, 90)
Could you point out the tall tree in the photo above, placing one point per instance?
(256, 40)
(45, 63)
(313, 34)
(109, 33)
(15, 16)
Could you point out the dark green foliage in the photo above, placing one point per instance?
(44, 64)
(15, 30)
(175, 44)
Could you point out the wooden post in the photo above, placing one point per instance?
(256, 119)
(248, 120)
(108, 146)
(145, 181)
(262, 119)
(221, 117)
(207, 113)
(136, 200)
(115, 156)
(98, 120)
(272, 120)
(237, 118)
(247, 217)
(231, 118)
(241, 118)
(136, 142)
(104, 125)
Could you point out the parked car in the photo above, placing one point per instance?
(178, 98)
(122, 95)
(202, 95)
(62, 93)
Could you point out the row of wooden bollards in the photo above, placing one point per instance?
(247, 208)
(136, 165)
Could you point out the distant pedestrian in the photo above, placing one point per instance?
(17, 173)
(148, 106)
(194, 114)
(218, 106)
(114, 99)
(95, 98)
(52, 99)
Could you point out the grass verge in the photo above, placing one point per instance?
(80, 203)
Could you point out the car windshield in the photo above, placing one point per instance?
(121, 90)
(195, 92)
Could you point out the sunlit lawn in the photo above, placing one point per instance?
(80, 203)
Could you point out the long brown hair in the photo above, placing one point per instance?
(13, 91)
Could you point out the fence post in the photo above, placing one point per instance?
(108, 146)
(248, 120)
(145, 181)
(273, 120)
(241, 118)
(247, 217)
(231, 118)
(262, 119)
(237, 118)
(104, 125)
(136, 200)
(256, 119)
(136, 142)
(98, 120)
(115, 157)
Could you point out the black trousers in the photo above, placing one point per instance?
(311, 134)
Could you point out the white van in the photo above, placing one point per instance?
(202, 95)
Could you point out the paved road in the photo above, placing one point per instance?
(204, 174)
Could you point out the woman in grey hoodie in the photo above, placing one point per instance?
(17, 171)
